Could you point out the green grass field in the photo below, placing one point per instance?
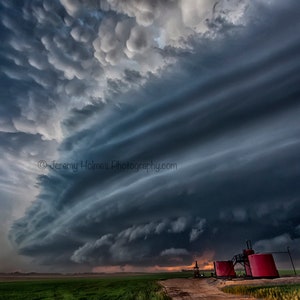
(280, 292)
(271, 292)
(137, 287)
(284, 273)
(142, 287)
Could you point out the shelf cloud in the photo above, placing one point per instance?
(149, 133)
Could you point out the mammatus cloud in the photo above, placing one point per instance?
(210, 87)
(61, 61)
(70, 54)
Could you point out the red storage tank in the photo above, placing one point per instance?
(224, 269)
(246, 253)
(263, 266)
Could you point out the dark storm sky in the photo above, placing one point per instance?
(212, 88)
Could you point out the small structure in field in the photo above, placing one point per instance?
(196, 270)
(255, 265)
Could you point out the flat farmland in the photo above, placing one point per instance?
(162, 286)
(104, 287)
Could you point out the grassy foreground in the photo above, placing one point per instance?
(279, 292)
(143, 287)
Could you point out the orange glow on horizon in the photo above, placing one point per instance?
(205, 262)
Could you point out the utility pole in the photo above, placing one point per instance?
(289, 253)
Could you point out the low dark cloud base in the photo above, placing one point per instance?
(229, 119)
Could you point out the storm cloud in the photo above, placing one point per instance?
(205, 95)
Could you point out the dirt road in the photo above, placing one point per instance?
(197, 289)
(209, 288)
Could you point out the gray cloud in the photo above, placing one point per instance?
(214, 91)
(197, 230)
(173, 252)
(51, 47)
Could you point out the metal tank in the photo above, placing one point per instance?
(263, 266)
(247, 267)
(224, 269)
